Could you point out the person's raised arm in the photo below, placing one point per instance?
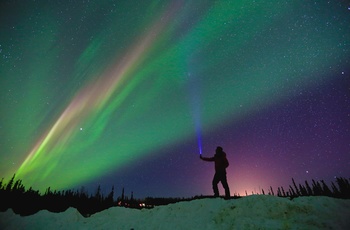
(206, 158)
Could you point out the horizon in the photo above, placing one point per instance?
(119, 191)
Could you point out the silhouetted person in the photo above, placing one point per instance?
(221, 163)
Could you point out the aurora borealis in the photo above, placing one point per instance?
(125, 93)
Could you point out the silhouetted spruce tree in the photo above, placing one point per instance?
(279, 192)
(9, 185)
(325, 189)
(308, 189)
(302, 190)
(291, 191)
(110, 196)
(344, 187)
(98, 195)
(283, 193)
(297, 192)
(335, 190)
(316, 188)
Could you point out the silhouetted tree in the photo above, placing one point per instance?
(308, 189)
(297, 192)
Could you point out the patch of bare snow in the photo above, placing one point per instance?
(252, 212)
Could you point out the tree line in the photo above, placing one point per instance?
(338, 189)
(26, 202)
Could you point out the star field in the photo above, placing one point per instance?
(128, 93)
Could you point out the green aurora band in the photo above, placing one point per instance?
(119, 102)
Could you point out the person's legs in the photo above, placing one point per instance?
(225, 185)
(215, 182)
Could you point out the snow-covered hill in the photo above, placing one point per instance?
(252, 212)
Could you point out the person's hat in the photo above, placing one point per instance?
(219, 148)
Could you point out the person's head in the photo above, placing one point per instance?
(219, 149)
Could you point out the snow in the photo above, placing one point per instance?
(251, 212)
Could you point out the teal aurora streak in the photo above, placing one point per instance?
(87, 91)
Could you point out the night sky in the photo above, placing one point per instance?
(128, 93)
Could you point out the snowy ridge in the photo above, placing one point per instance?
(252, 212)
